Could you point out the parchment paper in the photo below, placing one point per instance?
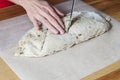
(72, 64)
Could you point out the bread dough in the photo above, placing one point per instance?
(85, 25)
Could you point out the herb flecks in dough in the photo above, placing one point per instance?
(85, 26)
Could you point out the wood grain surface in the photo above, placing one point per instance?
(115, 75)
(15, 10)
(6, 73)
(110, 7)
(111, 72)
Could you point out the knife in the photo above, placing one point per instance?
(71, 13)
(72, 9)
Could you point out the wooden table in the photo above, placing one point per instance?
(110, 7)
(6, 73)
(16, 10)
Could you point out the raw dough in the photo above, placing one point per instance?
(85, 25)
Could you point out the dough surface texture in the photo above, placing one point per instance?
(85, 26)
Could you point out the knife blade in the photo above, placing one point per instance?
(72, 9)
(71, 14)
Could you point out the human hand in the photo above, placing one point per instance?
(40, 10)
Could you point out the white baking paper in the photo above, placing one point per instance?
(72, 64)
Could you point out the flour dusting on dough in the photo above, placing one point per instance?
(85, 25)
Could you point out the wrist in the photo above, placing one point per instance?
(21, 2)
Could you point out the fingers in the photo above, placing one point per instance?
(53, 13)
(58, 12)
(42, 11)
(54, 23)
(47, 23)
(34, 21)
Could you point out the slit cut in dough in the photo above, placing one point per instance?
(85, 26)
